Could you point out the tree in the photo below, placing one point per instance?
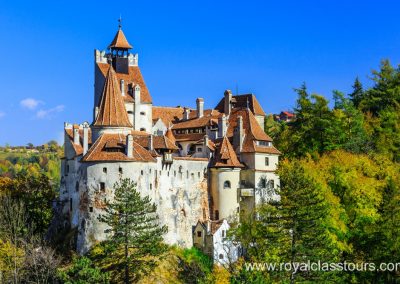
(83, 271)
(134, 228)
(358, 93)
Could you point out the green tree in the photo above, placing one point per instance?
(134, 229)
(83, 271)
(358, 93)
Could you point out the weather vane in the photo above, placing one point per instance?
(120, 22)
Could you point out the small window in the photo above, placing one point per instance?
(266, 161)
(272, 183)
(199, 149)
(142, 129)
(221, 256)
(227, 184)
(70, 204)
(90, 209)
(223, 233)
(150, 171)
(120, 170)
(67, 168)
(174, 173)
(77, 186)
(141, 172)
(199, 234)
(151, 186)
(263, 182)
(142, 113)
(198, 174)
(130, 112)
(102, 186)
(105, 170)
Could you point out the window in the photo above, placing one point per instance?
(130, 112)
(77, 186)
(141, 172)
(199, 234)
(142, 129)
(227, 184)
(223, 233)
(105, 170)
(272, 183)
(199, 149)
(67, 168)
(266, 161)
(174, 173)
(90, 209)
(151, 186)
(70, 204)
(102, 186)
(142, 113)
(221, 256)
(198, 174)
(263, 182)
(149, 171)
(120, 170)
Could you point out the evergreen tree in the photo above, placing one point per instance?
(134, 229)
(358, 93)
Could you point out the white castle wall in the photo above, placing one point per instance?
(179, 191)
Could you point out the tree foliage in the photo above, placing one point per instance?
(134, 232)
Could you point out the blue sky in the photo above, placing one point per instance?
(187, 49)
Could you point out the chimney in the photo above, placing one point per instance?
(85, 137)
(238, 135)
(207, 150)
(200, 107)
(136, 94)
(151, 142)
(129, 146)
(96, 112)
(186, 112)
(222, 126)
(76, 135)
(227, 102)
(122, 83)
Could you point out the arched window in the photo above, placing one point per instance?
(227, 184)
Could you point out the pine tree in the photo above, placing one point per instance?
(134, 229)
(357, 95)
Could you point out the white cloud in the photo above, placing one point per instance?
(30, 103)
(47, 113)
(2, 114)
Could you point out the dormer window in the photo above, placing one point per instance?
(264, 143)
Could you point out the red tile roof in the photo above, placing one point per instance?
(120, 41)
(210, 117)
(98, 151)
(225, 156)
(168, 115)
(112, 110)
(240, 101)
(133, 77)
(250, 125)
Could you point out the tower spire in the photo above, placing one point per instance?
(120, 22)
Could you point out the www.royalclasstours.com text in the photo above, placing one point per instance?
(321, 266)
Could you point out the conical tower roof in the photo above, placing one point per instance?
(225, 156)
(120, 41)
(112, 110)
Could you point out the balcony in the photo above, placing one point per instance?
(168, 158)
(246, 192)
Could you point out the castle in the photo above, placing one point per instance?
(200, 166)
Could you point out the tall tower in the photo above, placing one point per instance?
(135, 95)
